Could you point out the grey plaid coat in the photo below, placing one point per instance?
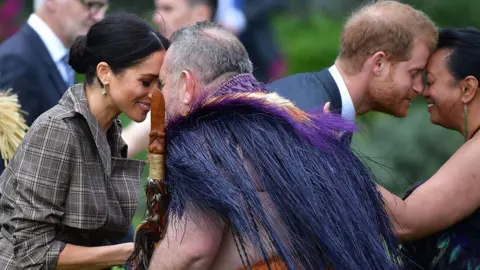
(68, 182)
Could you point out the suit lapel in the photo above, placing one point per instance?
(43, 54)
(330, 85)
(336, 99)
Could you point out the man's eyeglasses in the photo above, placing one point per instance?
(94, 6)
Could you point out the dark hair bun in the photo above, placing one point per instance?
(121, 40)
(77, 58)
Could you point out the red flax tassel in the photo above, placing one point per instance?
(152, 230)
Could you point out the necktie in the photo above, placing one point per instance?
(70, 74)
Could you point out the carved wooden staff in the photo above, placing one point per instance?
(151, 232)
(157, 193)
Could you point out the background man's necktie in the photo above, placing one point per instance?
(70, 73)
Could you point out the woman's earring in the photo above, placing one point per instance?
(103, 90)
(465, 119)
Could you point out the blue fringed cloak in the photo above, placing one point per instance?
(325, 196)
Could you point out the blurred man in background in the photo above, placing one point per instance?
(34, 61)
(171, 15)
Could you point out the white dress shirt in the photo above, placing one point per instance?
(54, 45)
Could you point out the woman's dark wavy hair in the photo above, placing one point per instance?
(465, 45)
(121, 40)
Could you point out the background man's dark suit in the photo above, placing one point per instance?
(27, 67)
(309, 90)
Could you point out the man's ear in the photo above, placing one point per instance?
(469, 88)
(378, 63)
(189, 84)
(326, 107)
(104, 73)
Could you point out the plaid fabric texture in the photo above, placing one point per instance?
(67, 173)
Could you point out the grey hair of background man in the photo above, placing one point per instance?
(37, 4)
(208, 50)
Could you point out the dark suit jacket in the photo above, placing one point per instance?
(27, 67)
(310, 91)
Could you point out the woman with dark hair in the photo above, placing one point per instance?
(439, 220)
(69, 190)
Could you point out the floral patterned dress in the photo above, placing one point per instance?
(455, 248)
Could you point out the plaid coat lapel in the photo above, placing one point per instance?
(76, 97)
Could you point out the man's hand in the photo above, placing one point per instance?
(326, 107)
